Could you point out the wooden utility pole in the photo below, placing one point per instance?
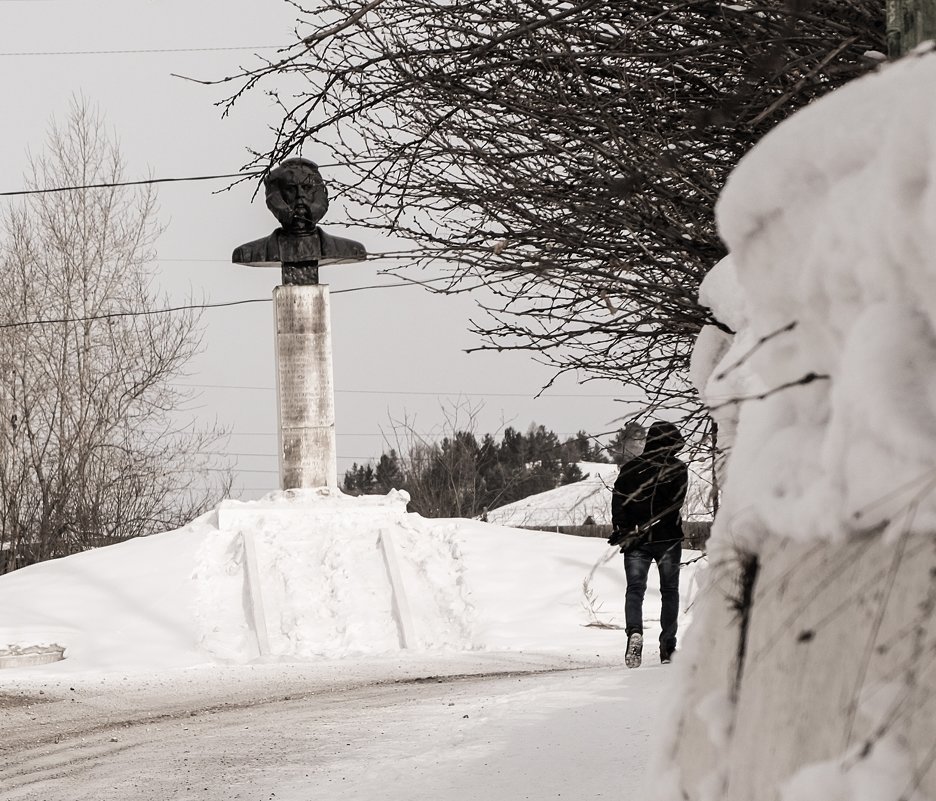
(909, 22)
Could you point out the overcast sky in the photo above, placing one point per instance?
(399, 352)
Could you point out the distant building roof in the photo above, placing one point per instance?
(571, 504)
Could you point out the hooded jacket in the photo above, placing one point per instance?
(650, 490)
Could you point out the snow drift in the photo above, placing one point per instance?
(813, 648)
(320, 584)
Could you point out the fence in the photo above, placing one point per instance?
(695, 532)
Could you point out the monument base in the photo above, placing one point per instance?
(305, 392)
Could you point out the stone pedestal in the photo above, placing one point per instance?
(305, 392)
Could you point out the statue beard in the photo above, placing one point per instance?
(300, 221)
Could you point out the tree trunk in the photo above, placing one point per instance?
(909, 22)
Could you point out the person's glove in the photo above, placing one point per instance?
(624, 538)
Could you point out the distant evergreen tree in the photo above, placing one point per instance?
(627, 443)
(532, 463)
(571, 473)
(460, 476)
(388, 475)
(360, 480)
(587, 449)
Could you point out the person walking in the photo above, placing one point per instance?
(645, 513)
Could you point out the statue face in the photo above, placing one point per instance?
(297, 196)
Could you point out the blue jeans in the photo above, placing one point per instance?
(667, 554)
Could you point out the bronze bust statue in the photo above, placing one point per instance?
(296, 194)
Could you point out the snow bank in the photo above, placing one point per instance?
(323, 578)
(831, 288)
(320, 586)
(127, 606)
(821, 590)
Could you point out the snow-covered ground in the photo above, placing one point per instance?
(568, 505)
(259, 653)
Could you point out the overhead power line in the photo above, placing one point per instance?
(146, 313)
(145, 181)
(135, 51)
(49, 190)
(418, 392)
(199, 306)
(383, 254)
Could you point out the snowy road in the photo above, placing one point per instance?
(348, 734)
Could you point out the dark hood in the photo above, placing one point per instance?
(663, 439)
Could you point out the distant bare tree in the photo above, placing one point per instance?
(92, 450)
(442, 471)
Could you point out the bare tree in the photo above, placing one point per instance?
(568, 155)
(92, 445)
(441, 471)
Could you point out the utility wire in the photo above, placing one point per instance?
(141, 50)
(143, 182)
(112, 185)
(271, 454)
(405, 392)
(197, 306)
(382, 254)
(112, 315)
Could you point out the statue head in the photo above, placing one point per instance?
(296, 194)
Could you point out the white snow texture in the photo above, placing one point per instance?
(826, 396)
(831, 224)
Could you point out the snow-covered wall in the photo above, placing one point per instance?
(811, 669)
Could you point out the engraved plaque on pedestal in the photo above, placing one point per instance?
(306, 403)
